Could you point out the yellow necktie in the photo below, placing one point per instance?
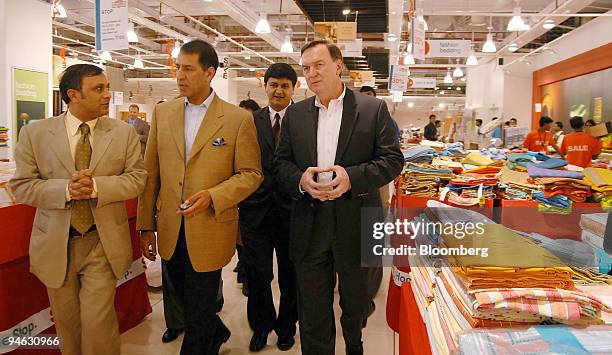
(82, 217)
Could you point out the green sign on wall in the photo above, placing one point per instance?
(30, 94)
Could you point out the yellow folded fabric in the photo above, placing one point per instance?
(477, 159)
(512, 261)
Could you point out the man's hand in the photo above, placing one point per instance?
(316, 190)
(199, 202)
(341, 183)
(81, 185)
(148, 245)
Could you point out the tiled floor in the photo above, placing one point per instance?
(145, 338)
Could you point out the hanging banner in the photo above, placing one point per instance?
(336, 31)
(421, 83)
(351, 48)
(447, 48)
(116, 98)
(397, 96)
(398, 78)
(30, 95)
(417, 38)
(111, 25)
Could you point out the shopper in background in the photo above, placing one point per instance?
(513, 122)
(438, 124)
(368, 90)
(142, 128)
(497, 131)
(580, 148)
(332, 164)
(539, 140)
(557, 131)
(249, 105)
(589, 123)
(264, 224)
(431, 132)
(78, 169)
(203, 159)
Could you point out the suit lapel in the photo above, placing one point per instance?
(101, 140)
(177, 126)
(349, 117)
(59, 143)
(311, 130)
(210, 125)
(264, 115)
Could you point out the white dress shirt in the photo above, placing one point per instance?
(74, 134)
(194, 115)
(328, 131)
(273, 113)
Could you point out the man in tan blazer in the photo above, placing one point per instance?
(77, 169)
(202, 158)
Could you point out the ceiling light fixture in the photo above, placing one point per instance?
(408, 59)
(287, 47)
(58, 10)
(458, 88)
(176, 49)
(472, 60)
(441, 105)
(448, 79)
(263, 26)
(549, 24)
(464, 79)
(391, 37)
(138, 63)
(489, 46)
(131, 34)
(442, 92)
(346, 12)
(457, 73)
(411, 104)
(513, 47)
(516, 22)
(106, 56)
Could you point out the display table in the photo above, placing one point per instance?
(23, 298)
(524, 216)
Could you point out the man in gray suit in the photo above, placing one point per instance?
(78, 169)
(142, 128)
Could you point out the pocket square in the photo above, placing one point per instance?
(218, 142)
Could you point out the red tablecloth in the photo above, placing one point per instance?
(23, 295)
(413, 333)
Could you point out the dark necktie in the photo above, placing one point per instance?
(82, 217)
(276, 129)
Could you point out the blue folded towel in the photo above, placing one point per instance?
(560, 201)
(535, 171)
(552, 163)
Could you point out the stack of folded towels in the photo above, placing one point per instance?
(594, 228)
(423, 180)
(419, 154)
(600, 181)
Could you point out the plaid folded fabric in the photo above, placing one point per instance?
(553, 303)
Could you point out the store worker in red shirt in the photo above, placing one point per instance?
(580, 148)
(540, 139)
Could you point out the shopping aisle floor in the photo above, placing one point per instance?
(145, 339)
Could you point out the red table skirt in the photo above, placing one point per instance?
(23, 295)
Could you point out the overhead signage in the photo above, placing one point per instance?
(417, 38)
(111, 25)
(336, 31)
(447, 48)
(398, 77)
(351, 48)
(421, 83)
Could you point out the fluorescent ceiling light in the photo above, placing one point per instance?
(106, 56)
(131, 34)
(411, 104)
(287, 47)
(457, 73)
(549, 24)
(448, 79)
(472, 60)
(346, 12)
(516, 22)
(263, 26)
(441, 105)
(208, 0)
(408, 59)
(489, 46)
(138, 63)
(464, 79)
(442, 92)
(458, 88)
(58, 11)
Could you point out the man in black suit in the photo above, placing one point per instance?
(336, 150)
(264, 224)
